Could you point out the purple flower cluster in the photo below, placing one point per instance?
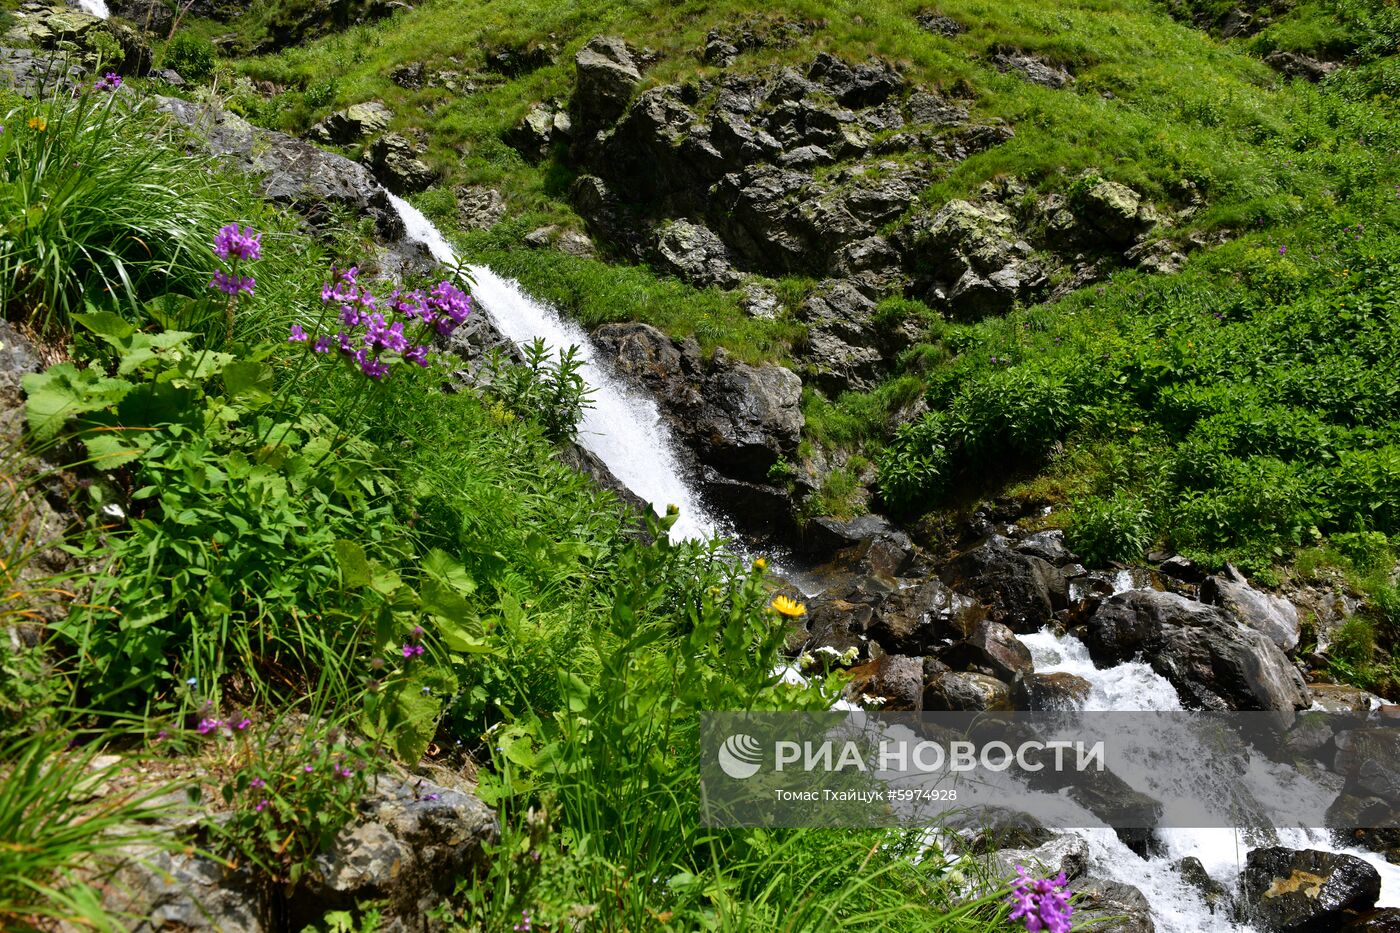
(109, 83)
(525, 925)
(1041, 903)
(375, 333)
(235, 245)
(208, 725)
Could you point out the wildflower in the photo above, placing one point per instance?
(38, 123)
(1040, 903)
(233, 242)
(417, 355)
(191, 681)
(208, 725)
(524, 925)
(232, 284)
(262, 805)
(297, 335)
(309, 768)
(432, 796)
(242, 724)
(257, 782)
(109, 83)
(784, 605)
(411, 651)
(322, 344)
(760, 565)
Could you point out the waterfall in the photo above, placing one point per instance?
(624, 428)
(97, 8)
(1176, 906)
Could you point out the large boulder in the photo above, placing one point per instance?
(1116, 212)
(955, 691)
(737, 418)
(845, 347)
(895, 682)
(540, 128)
(1034, 69)
(605, 76)
(1213, 662)
(1273, 615)
(692, 252)
(1111, 907)
(863, 85)
(291, 171)
(1306, 891)
(994, 648)
(354, 124)
(1057, 692)
(978, 262)
(394, 164)
(1020, 590)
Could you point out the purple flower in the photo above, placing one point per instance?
(262, 805)
(232, 284)
(524, 925)
(231, 242)
(257, 782)
(1283, 250)
(418, 355)
(207, 726)
(242, 724)
(412, 651)
(1040, 903)
(309, 768)
(322, 344)
(343, 772)
(110, 82)
(298, 335)
(373, 367)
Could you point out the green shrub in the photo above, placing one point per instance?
(914, 468)
(1368, 551)
(1119, 528)
(193, 57)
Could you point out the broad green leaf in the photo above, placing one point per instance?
(111, 449)
(440, 565)
(64, 391)
(249, 379)
(112, 328)
(354, 566)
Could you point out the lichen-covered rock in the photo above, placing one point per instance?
(1306, 891)
(605, 76)
(354, 124)
(692, 252)
(392, 160)
(1115, 211)
(1034, 69)
(540, 128)
(479, 207)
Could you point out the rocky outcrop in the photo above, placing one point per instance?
(605, 76)
(479, 207)
(292, 171)
(1298, 65)
(1020, 590)
(1213, 662)
(354, 124)
(692, 252)
(539, 130)
(81, 39)
(739, 419)
(1034, 69)
(978, 262)
(1273, 615)
(395, 166)
(1306, 891)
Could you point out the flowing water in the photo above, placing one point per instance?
(97, 8)
(1176, 907)
(624, 428)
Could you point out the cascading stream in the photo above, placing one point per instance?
(97, 8)
(1176, 906)
(623, 428)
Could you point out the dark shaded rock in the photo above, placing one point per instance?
(693, 253)
(1212, 662)
(1020, 590)
(353, 124)
(1112, 907)
(954, 691)
(1273, 615)
(479, 207)
(832, 623)
(1049, 546)
(515, 60)
(392, 160)
(863, 85)
(739, 419)
(291, 171)
(896, 679)
(825, 536)
(1183, 569)
(994, 647)
(1033, 69)
(923, 618)
(605, 76)
(983, 829)
(154, 16)
(1385, 920)
(539, 130)
(1306, 891)
(758, 509)
(756, 211)
(410, 75)
(1055, 692)
(1298, 65)
(939, 24)
(1212, 892)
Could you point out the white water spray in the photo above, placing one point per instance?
(97, 8)
(623, 428)
(1176, 907)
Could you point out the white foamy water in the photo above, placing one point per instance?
(1176, 907)
(624, 428)
(97, 8)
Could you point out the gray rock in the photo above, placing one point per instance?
(542, 127)
(33, 75)
(1035, 70)
(1116, 211)
(759, 302)
(940, 24)
(739, 419)
(605, 76)
(409, 75)
(291, 171)
(154, 16)
(1340, 698)
(392, 160)
(1301, 891)
(479, 207)
(863, 85)
(985, 829)
(1049, 546)
(924, 107)
(1273, 615)
(1112, 907)
(1298, 65)
(354, 124)
(1212, 892)
(966, 692)
(1068, 854)
(1213, 662)
(692, 252)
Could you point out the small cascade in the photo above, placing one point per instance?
(623, 428)
(97, 8)
(1176, 906)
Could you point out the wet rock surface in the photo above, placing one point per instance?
(1306, 891)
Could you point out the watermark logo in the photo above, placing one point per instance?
(740, 756)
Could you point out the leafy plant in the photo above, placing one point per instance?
(545, 387)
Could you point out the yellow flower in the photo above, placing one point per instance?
(38, 123)
(760, 565)
(791, 608)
